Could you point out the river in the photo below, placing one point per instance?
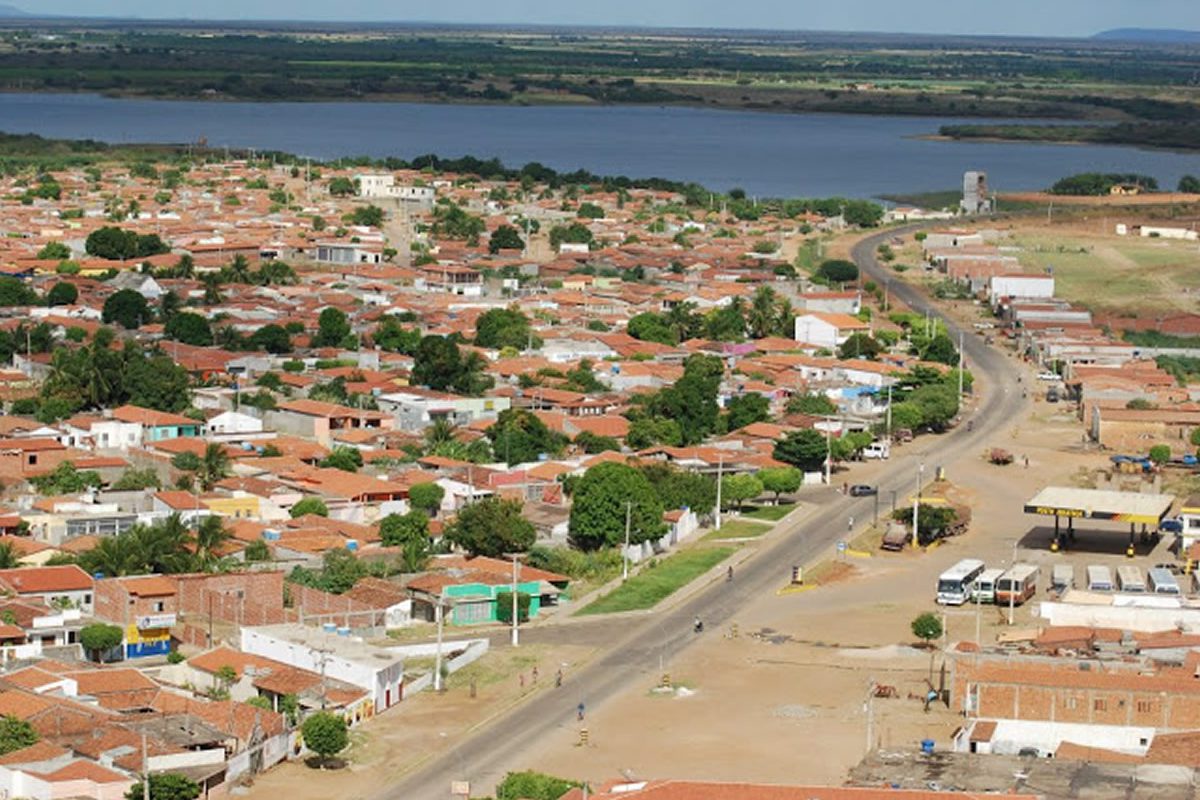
(769, 155)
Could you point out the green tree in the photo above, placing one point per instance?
(518, 437)
(591, 443)
(813, 404)
(860, 345)
(369, 215)
(272, 338)
(65, 479)
(54, 251)
(804, 449)
(426, 496)
(491, 527)
(837, 271)
(440, 365)
(13, 292)
(332, 328)
(575, 233)
(210, 541)
(165, 786)
(599, 507)
(906, 416)
(737, 489)
(692, 400)
(648, 431)
(134, 479)
(532, 786)
(1160, 453)
(258, 550)
(505, 327)
(745, 409)
(781, 480)
(651, 327)
(938, 405)
(214, 466)
(113, 556)
(940, 349)
(393, 337)
(189, 328)
(98, 639)
(504, 605)
(678, 488)
(15, 734)
(156, 382)
(347, 459)
(506, 237)
(325, 734)
(927, 627)
(1189, 184)
(9, 558)
(128, 308)
(62, 294)
(410, 532)
(341, 186)
(310, 505)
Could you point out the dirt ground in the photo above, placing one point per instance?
(745, 707)
(389, 745)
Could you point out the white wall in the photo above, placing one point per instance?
(1022, 286)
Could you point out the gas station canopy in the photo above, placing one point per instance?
(1100, 504)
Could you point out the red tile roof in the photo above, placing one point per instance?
(38, 580)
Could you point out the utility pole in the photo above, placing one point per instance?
(889, 414)
(437, 659)
(515, 634)
(145, 770)
(917, 502)
(625, 552)
(828, 454)
(960, 363)
(720, 469)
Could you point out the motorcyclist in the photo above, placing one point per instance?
(729, 574)
(697, 625)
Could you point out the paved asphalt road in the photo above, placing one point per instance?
(638, 643)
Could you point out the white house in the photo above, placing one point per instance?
(87, 433)
(830, 302)
(61, 585)
(235, 423)
(416, 408)
(1030, 287)
(823, 329)
(377, 670)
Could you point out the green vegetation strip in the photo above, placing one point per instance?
(771, 513)
(738, 529)
(654, 583)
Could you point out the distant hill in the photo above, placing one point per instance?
(1150, 35)
(7, 11)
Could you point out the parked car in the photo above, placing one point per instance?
(1048, 376)
(862, 490)
(1171, 567)
(1171, 526)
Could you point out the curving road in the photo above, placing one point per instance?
(639, 651)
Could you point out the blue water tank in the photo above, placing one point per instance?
(343, 631)
(352, 545)
(927, 746)
(329, 627)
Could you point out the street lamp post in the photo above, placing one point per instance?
(1012, 594)
(516, 640)
(625, 552)
(917, 502)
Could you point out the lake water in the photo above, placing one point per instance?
(785, 155)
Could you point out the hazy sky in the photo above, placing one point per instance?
(1036, 17)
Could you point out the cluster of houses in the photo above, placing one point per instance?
(246, 634)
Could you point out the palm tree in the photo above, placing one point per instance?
(211, 536)
(239, 270)
(214, 466)
(164, 546)
(186, 268)
(113, 556)
(439, 433)
(8, 556)
(169, 305)
(760, 318)
(212, 288)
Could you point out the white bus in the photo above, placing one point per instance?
(1099, 578)
(1163, 582)
(954, 585)
(1016, 585)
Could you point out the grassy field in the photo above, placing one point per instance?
(1114, 273)
(770, 513)
(738, 529)
(656, 582)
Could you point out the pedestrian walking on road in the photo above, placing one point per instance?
(850, 525)
(535, 673)
(558, 679)
(579, 711)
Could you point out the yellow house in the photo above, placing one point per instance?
(241, 505)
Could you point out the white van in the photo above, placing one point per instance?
(1130, 579)
(1163, 582)
(881, 450)
(984, 590)
(1099, 579)
(1062, 578)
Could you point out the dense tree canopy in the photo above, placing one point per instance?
(325, 734)
(744, 409)
(440, 365)
(117, 244)
(506, 237)
(518, 436)
(333, 328)
(505, 327)
(127, 307)
(62, 294)
(804, 449)
(491, 527)
(692, 400)
(189, 328)
(599, 507)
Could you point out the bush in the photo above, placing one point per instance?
(325, 734)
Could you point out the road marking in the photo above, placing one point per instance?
(794, 590)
